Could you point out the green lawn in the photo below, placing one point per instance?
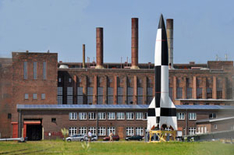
(122, 147)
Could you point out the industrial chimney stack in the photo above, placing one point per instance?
(170, 42)
(99, 48)
(134, 44)
(83, 64)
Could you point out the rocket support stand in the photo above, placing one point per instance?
(162, 135)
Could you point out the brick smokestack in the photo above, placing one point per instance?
(83, 64)
(170, 41)
(99, 48)
(134, 44)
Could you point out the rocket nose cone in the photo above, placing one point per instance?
(161, 24)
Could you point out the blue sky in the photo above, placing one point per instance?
(202, 28)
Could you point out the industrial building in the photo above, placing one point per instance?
(40, 95)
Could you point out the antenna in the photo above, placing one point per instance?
(226, 57)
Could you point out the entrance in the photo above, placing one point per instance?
(34, 131)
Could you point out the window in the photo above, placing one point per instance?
(130, 95)
(212, 115)
(129, 131)
(34, 96)
(205, 129)
(149, 94)
(26, 96)
(92, 130)
(170, 92)
(101, 115)
(139, 115)
(110, 129)
(140, 95)
(139, 131)
(179, 93)
(130, 115)
(180, 116)
(199, 92)
(111, 115)
(69, 80)
(209, 92)
(79, 95)
(92, 115)
(219, 93)
(120, 116)
(83, 130)
(60, 90)
(90, 95)
(34, 70)
(69, 95)
(192, 116)
(42, 96)
(192, 130)
(72, 116)
(120, 95)
(83, 115)
(189, 92)
(72, 131)
(60, 99)
(25, 70)
(53, 120)
(215, 126)
(101, 131)
(44, 70)
(146, 115)
(9, 115)
(100, 95)
(59, 80)
(110, 95)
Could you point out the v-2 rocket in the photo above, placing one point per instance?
(161, 111)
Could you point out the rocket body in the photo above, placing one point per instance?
(161, 111)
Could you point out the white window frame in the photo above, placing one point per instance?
(192, 131)
(72, 131)
(192, 116)
(73, 116)
(83, 130)
(110, 129)
(129, 131)
(35, 96)
(102, 116)
(83, 116)
(120, 116)
(130, 115)
(26, 96)
(139, 115)
(43, 96)
(111, 115)
(92, 116)
(101, 131)
(139, 131)
(180, 116)
(92, 130)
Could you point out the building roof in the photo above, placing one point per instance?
(123, 106)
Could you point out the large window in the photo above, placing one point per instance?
(129, 131)
(79, 95)
(60, 99)
(149, 94)
(170, 92)
(199, 93)
(92, 115)
(140, 95)
(110, 129)
(192, 116)
(111, 115)
(129, 115)
(42, 96)
(83, 116)
(34, 70)
(69, 95)
(102, 116)
(209, 92)
(100, 95)
(72, 131)
(139, 115)
(25, 70)
(83, 130)
(219, 93)
(180, 116)
(120, 116)
(192, 130)
(73, 116)
(90, 95)
(130, 95)
(34, 96)
(189, 92)
(179, 92)
(44, 70)
(26, 96)
(139, 131)
(110, 95)
(120, 95)
(101, 131)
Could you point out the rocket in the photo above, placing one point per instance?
(161, 111)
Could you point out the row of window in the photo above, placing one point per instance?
(108, 115)
(191, 116)
(35, 64)
(103, 131)
(26, 96)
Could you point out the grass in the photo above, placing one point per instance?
(119, 148)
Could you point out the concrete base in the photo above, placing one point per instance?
(99, 67)
(134, 67)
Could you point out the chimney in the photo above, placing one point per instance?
(170, 41)
(99, 48)
(83, 64)
(134, 44)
